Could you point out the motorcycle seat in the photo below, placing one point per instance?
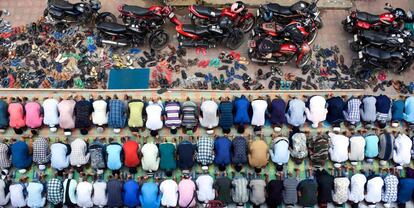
(60, 4)
(277, 8)
(367, 17)
(374, 36)
(111, 27)
(195, 29)
(207, 11)
(137, 10)
(380, 54)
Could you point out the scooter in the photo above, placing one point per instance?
(264, 50)
(60, 11)
(240, 15)
(116, 34)
(285, 14)
(385, 41)
(397, 61)
(392, 20)
(296, 31)
(131, 14)
(206, 36)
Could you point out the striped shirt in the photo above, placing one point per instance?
(240, 192)
(172, 111)
(190, 114)
(290, 195)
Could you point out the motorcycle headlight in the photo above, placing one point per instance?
(400, 40)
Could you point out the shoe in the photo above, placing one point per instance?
(277, 84)
(306, 69)
(259, 72)
(223, 68)
(271, 83)
(293, 85)
(183, 75)
(221, 78)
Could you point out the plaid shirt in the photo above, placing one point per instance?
(352, 114)
(117, 114)
(55, 191)
(79, 154)
(5, 161)
(205, 146)
(41, 153)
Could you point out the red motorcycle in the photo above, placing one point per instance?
(264, 50)
(393, 19)
(132, 14)
(206, 36)
(238, 13)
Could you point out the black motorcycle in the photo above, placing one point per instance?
(116, 34)
(386, 41)
(285, 14)
(397, 61)
(60, 11)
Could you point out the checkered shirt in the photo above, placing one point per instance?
(5, 161)
(41, 153)
(55, 191)
(353, 114)
(79, 154)
(117, 114)
(205, 147)
(389, 194)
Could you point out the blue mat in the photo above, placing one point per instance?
(128, 78)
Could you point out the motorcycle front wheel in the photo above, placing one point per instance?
(312, 36)
(235, 40)
(247, 24)
(158, 40)
(305, 59)
(318, 22)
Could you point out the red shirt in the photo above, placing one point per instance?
(17, 118)
(131, 154)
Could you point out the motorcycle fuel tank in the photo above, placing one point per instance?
(288, 48)
(387, 18)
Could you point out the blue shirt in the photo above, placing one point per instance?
(4, 115)
(241, 106)
(21, 159)
(117, 114)
(409, 110)
(405, 190)
(150, 197)
(113, 152)
(398, 110)
(295, 114)
(226, 114)
(222, 148)
(371, 146)
(277, 112)
(280, 153)
(383, 104)
(335, 107)
(131, 193)
(185, 152)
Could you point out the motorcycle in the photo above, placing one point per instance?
(385, 41)
(297, 31)
(285, 14)
(130, 14)
(60, 11)
(392, 20)
(206, 36)
(264, 50)
(116, 34)
(397, 61)
(238, 13)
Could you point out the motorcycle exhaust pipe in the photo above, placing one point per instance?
(190, 43)
(113, 43)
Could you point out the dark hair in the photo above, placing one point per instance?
(382, 125)
(84, 131)
(240, 129)
(279, 168)
(173, 131)
(401, 205)
(18, 131)
(257, 170)
(34, 131)
(238, 168)
(222, 167)
(154, 133)
(226, 131)
(168, 173)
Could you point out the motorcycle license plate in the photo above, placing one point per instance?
(355, 38)
(360, 55)
(252, 43)
(348, 19)
(171, 15)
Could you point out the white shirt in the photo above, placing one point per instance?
(34, 194)
(209, 118)
(99, 197)
(154, 111)
(280, 153)
(357, 188)
(259, 110)
(317, 110)
(341, 191)
(84, 193)
(16, 195)
(150, 160)
(4, 197)
(99, 114)
(205, 190)
(357, 148)
(402, 150)
(50, 112)
(71, 189)
(79, 153)
(59, 160)
(338, 147)
(374, 189)
(169, 190)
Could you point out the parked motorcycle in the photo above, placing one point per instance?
(391, 20)
(60, 11)
(385, 41)
(397, 61)
(116, 34)
(285, 14)
(206, 36)
(131, 14)
(238, 13)
(296, 31)
(264, 50)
